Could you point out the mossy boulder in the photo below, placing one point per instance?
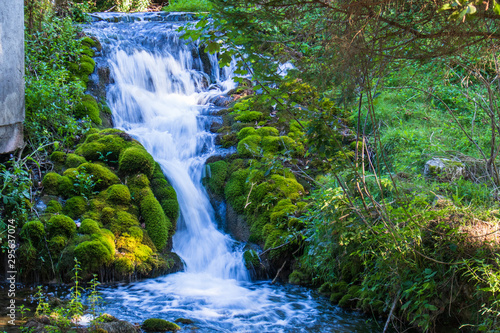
(93, 254)
(33, 230)
(267, 131)
(118, 194)
(142, 252)
(171, 209)
(251, 258)
(58, 157)
(89, 227)
(282, 209)
(122, 221)
(136, 233)
(50, 183)
(159, 325)
(61, 225)
(247, 131)
(87, 41)
(289, 187)
(135, 160)
(236, 189)
(249, 116)
(53, 207)
(138, 181)
(57, 244)
(65, 187)
(75, 207)
(218, 172)
(157, 224)
(87, 51)
(102, 175)
(73, 160)
(249, 146)
(124, 265)
(88, 107)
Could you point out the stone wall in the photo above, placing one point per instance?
(11, 75)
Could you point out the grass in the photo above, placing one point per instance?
(188, 6)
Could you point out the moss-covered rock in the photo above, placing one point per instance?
(138, 181)
(33, 230)
(61, 225)
(267, 131)
(89, 227)
(171, 209)
(87, 41)
(157, 223)
(135, 160)
(251, 258)
(118, 194)
(124, 265)
(218, 172)
(104, 176)
(87, 51)
(122, 221)
(159, 325)
(58, 157)
(249, 116)
(289, 187)
(88, 107)
(50, 183)
(143, 252)
(247, 131)
(270, 144)
(65, 187)
(57, 244)
(92, 254)
(53, 207)
(236, 189)
(73, 160)
(282, 209)
(136, 233)
(75, 207)
(249, 146)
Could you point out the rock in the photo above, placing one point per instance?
(159, 325)
(443, 168)
(215, 127)
(237, 225)
(119, 326)
(184, 321)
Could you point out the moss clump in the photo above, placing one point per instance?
(267, 131)
(89, 227)
(250, 116)
(157, 223)
(228, 140)
(159, 325)
(61, 225)
(282, 210)
(217, 176)
(270, 144)
(247, 131)
(65, 187)
(138, 181)
(58, 157)
(73, 160)
(53, 207)
(289, 187)
(136, 233)
(92, 254)
(299, 277)
(142, 252)
(136, 160)
(88, 107)
(122, 222)
(118, 194)
(87, 51)
(249, 146)
(75, 207)
(236, 189)
(184, 321)
(57, 244)
(87, 41)
(124, 265)
(50, 183)
(251, 258)
(105, 176)
(33, 230)
(171, 209)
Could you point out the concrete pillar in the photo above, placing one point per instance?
(11, 74)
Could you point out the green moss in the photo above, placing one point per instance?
(65, 187)
(236, 189)
(143, 252)
(289, 187)
(158, 172)
(249, 146)
(122, 222)
(138, 181)
(335, 297)
(282, 210)
(249, 116)
(92, 150)
(157, 223)
(50, 183)
(247, 131)
(159, 325)
(124, 265)
(288, 144)
(103, 175)
(267, 131)
(75, 207)
(89, 227)
(71, 173)
(53, 207)
(270, 144)
(61, 225)
(136, 233)
(171, 209)
(88, 107)
(87, 51)
(228, 140)
(125, 243)
(184, 321)
(217, 176)
(86, 59)
(57, 244)
(73, 160)
(33, 230)
(298, 277)
(251, 258)
(136, 160)
(92, 254)
(118, 194)
(88, 41)
(58, 157)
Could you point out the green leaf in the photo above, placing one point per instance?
(496, 7)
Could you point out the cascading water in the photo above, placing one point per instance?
(159, 94)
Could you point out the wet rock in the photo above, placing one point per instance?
(237, 225)
(215, 127)
(114, 325)
(184, 321)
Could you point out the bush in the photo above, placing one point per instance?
(157, 224)
(159, 325)
(135, 160)
(61, 225)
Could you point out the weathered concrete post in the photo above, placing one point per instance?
(11, 74)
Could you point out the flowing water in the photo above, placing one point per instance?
(160, 93)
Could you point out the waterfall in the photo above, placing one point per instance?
(160, 93)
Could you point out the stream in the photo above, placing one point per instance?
(161, 92)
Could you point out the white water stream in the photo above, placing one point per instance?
(159, 95)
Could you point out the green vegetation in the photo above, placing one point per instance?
(159, 325)
(188, 6)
